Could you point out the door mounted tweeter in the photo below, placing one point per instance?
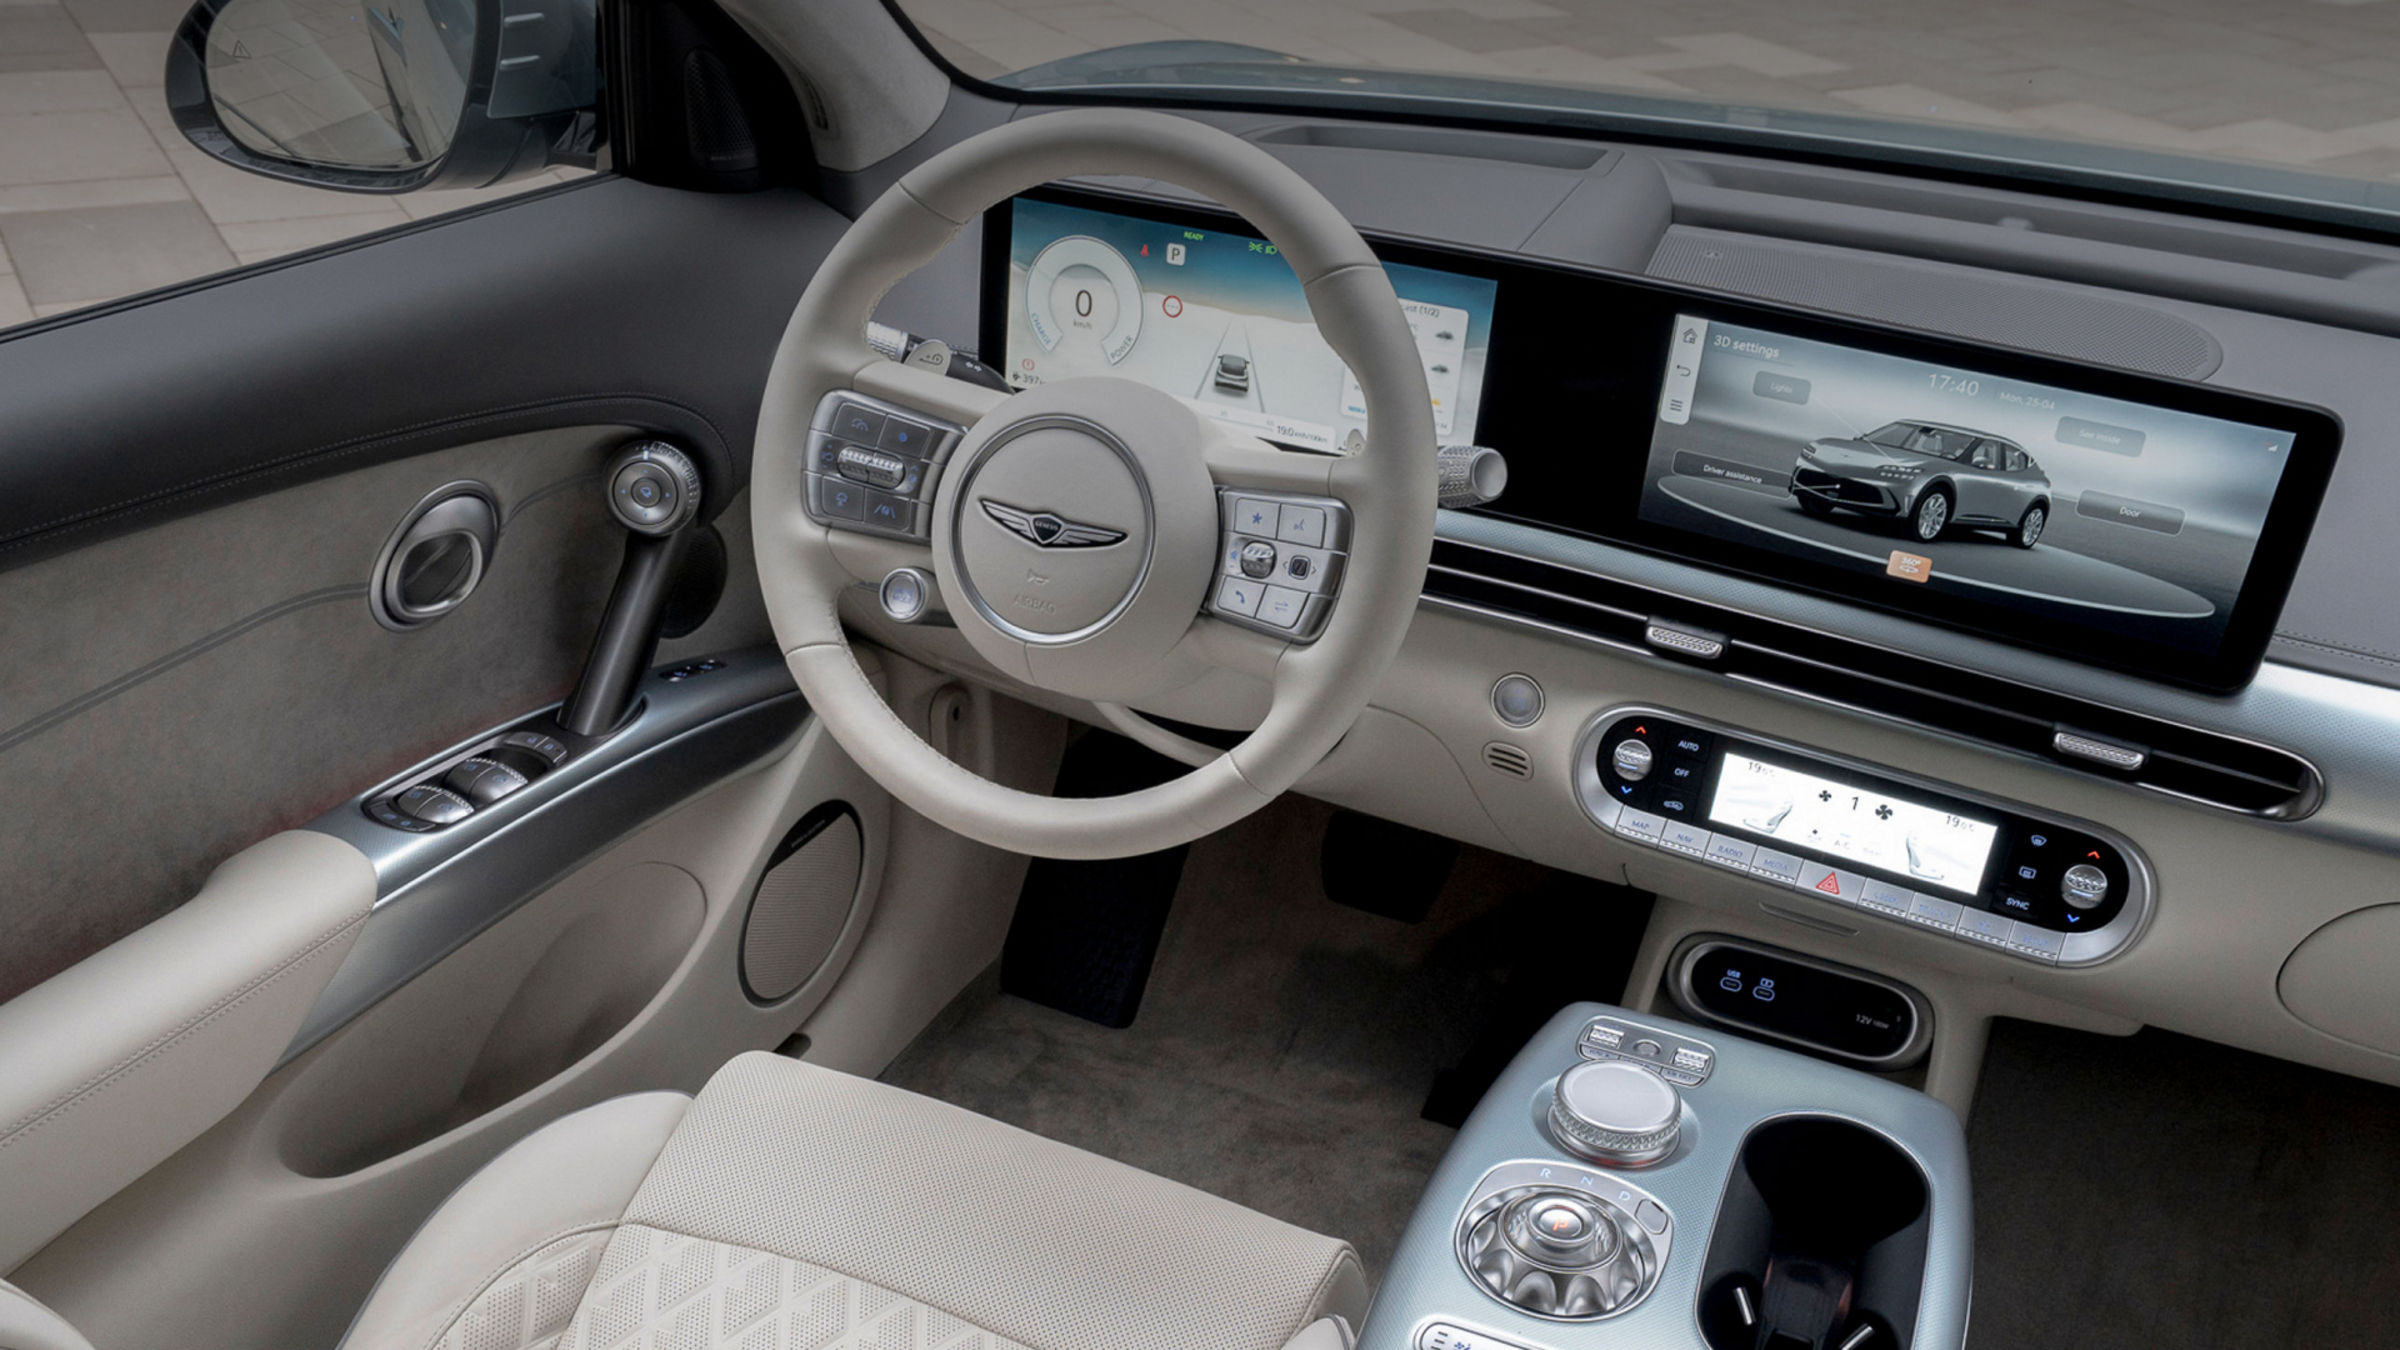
(435, 557)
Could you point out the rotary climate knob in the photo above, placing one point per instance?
(1616, 1113)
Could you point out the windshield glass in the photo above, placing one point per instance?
(2285, 111)
(1893, 437)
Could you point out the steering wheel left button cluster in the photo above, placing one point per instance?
(872, 465)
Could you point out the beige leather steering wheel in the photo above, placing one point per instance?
(1115, 622)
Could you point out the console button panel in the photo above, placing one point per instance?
(1681, 1060)
(872, 465)
(2045, 890)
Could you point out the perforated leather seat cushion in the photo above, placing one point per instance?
(796, 1207)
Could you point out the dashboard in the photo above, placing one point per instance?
(2250, 801)
(2126, 521)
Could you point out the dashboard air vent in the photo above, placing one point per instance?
(2182, 761)
(1503, 758)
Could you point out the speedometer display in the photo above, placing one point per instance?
(1083, 294)
(1218, 320)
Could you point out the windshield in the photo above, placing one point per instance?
(1893, 437)
(2284, 111)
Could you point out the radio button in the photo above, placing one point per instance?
(1776, 866)
(1726, 851)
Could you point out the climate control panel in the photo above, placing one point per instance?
(1926, 854)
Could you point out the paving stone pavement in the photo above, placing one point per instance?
(100, 195)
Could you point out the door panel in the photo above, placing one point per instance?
(602, 302)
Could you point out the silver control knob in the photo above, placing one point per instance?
(2083, 887)
(1258, 559)
(1470, 475)
(1617, 1113)
(906, 594)
(653, 488)
(1632, 759)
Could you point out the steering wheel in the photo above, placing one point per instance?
(1132, 488)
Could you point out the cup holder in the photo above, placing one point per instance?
(1820, 1242)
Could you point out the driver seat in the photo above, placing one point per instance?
(790, 1207)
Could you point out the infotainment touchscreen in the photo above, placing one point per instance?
(1218, 319)
(2076, 511)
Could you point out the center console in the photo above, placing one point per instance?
(1637, 1181)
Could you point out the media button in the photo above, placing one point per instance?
(1777, 866)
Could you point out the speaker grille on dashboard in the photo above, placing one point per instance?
(803, 901)
(2035, 315)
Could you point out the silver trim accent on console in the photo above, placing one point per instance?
(2309, 798)
(2075, 949)
(1691, 949)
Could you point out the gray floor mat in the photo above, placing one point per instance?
(2165, 1191)
(1284, 1047)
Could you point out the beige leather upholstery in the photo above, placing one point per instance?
(794, 1205)
(121, 1059)
(25, 1324)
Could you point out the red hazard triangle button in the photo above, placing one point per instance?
(1832, 884)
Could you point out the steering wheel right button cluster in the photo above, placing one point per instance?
(1282, 561)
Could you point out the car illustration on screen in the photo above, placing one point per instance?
(1931, 475)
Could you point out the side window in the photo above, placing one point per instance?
(2018, 461)
(293, 123)
(1987, 455)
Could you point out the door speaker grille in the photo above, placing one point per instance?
(802, 903)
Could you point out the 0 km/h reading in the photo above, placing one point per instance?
(1893, 834)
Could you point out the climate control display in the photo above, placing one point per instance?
(1927, 844)
(1847, 835)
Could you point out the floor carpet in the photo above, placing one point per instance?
(1284, 1048)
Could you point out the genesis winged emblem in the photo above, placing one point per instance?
(1044, 530)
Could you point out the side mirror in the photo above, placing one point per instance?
(389, 95)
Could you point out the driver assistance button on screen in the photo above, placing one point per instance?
(1280, 562)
